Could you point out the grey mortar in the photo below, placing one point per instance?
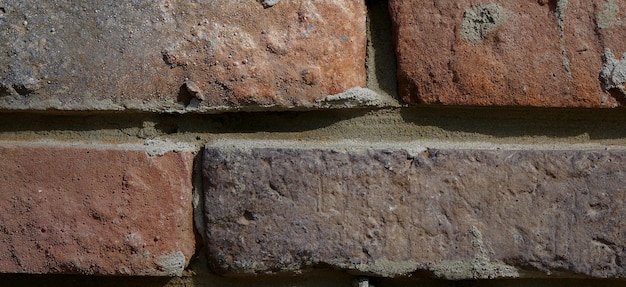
(480, 21)
(613, 72)
(561, 5)
(158, 147)
(171, 264)
(480, 267)
(269, 3)
(357, 97)
(608, 17)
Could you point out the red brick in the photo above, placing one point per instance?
(90, 210)
(454, 214)
(519, 53)
(173, 54)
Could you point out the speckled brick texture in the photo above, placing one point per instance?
(453, 214)
(312, 142)
(179, 56)
(511, 53)
(94, 211)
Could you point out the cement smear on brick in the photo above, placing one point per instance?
(613, 73)
(480, 267)
(480, 21)
(607, 18)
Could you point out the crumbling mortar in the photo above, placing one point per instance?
(613, 72)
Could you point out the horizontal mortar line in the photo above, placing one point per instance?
(413, 147)
(162, 146)
(273, 109)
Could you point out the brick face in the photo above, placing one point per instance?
(182, 142)
(179, 55)
(289, 54)
(518, 53)
(94, 211)
(454, 214)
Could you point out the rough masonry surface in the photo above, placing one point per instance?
(453, 214)
(94, 211)
(508, 52)
(178, 56)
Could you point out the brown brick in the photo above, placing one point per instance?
(454, 214)
(508, 52)
(173, 54)
(89, 210)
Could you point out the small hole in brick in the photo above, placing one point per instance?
(184, 96)
(22, 89)
(248, 215)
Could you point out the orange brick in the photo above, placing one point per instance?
(94, 210)
(511, 53)
(179, 55)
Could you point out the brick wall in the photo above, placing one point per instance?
(312, 143)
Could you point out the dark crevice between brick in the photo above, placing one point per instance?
(618, 95)
(32, 280)
(198, 208)
(43, 280)
(504, 122)
(275, 122)
(552, 282)
(495, 122)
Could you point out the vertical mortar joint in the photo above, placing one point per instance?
(561, 6)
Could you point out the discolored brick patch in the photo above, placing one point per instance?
(453, 214)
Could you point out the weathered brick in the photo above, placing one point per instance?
(454, 214)
(174, 55)
(508, 52)
(89, 210)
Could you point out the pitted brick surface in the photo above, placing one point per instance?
(455, 214)
(94, 211)
(173, 55)
(510, 53)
